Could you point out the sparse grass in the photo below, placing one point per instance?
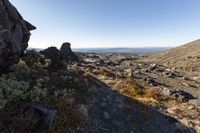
(105, 72)
(24, 84)
(130, 88)
(20, 85)
(88, 74)
(31, 58)
(69, 117)
(150, 93)
(101, 71)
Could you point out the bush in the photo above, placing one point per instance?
(15, 89)
(32, 58)
(69, 117)
(129, 87)
(150, 93)
(54, 55)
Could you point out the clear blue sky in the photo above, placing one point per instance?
(111, 23)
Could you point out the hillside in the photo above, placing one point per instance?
(185, 57)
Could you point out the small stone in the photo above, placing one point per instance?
(196, 78)
(103, 105)
(153, 66)
(180, 127)
(106, 116)
(185, 84)
(136, 72)
(191, 107)
(195, 102)
(171, 110)
(191, 124)
(49, 113)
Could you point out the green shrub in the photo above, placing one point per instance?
(14, 89)
(32, 58)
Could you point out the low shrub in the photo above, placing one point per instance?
(32, 58)
(12, 88)
(129, 87)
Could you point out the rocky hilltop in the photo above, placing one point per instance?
(14, 34)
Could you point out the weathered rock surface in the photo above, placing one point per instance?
(49, 113)
(54, 55)
(14, 34)
(177, 93)
(67, 53)
(195, 102)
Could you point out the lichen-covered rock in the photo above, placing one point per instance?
(14, 34)
(67, 53)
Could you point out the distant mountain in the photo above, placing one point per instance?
(142, 50)
(146, 50)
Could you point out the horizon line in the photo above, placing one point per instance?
(105, 47)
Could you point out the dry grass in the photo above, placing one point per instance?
(105, 72)
(150, 93)
(102, 71)
(129, 87)
(68, 118)
(88, 74)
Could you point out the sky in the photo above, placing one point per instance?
(111, 23)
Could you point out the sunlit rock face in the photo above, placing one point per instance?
(14, 34)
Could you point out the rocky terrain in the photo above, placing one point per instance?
(57, 90)
(176, 93)
(185, 58)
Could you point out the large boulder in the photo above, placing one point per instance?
(54, 55)
(67, 53)
(14, 34)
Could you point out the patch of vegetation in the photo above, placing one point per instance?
(69, 84)
(150, 93)
(18, 117)
(130, 88)
(13, 89)
(32, 58)
(56, 63)
(22, 84)
(69, 117)
(103, 71)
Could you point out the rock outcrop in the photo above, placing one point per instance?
(54, 55)
(14, 34)
(67, 53)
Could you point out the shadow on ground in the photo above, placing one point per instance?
(111, 112)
